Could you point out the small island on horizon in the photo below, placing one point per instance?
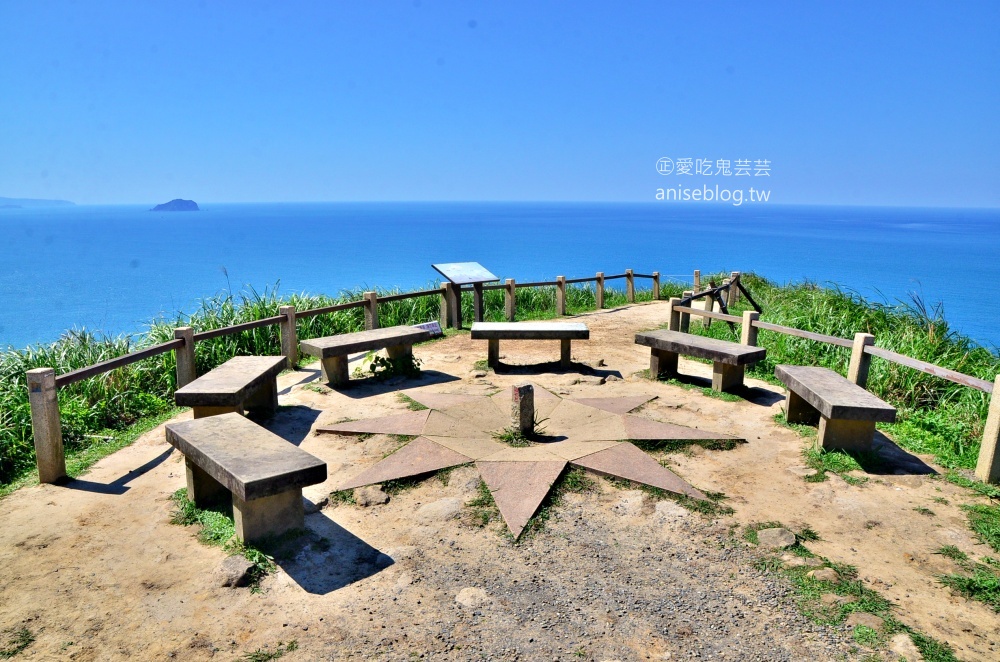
(177, 205)
(21, 203)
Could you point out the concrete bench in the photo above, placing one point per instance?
(332, 351)
(729, 359)
(564, 332)
(847, 412)
(228, 457)
(242, 382)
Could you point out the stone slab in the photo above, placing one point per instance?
(231, 383)
(420, 456)
(545, 400)
(637, 427)
(410, 423)
(363, 341)
(722, 351)
(474, 448)
(440, 424)
(530, 331)
(534, 453)
(572, 449)
(605, 429)
(628, 462)
(483, 414)
(621, 405)
(441, 400)
(569, 415)
(248, 460)
(518, 488)
(833, 395)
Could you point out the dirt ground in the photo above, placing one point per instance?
(96, 571)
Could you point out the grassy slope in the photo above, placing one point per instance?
(936, 417)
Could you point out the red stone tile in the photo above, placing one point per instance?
(442, 400)
(621, 405)
(411, 423)
(628, 462)
(519, 488)
(637, 427)
(420, 456)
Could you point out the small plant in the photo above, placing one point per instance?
(924, 511)
(342, 497)
(512, 437)
(952, 552)
(482, 508)
(941, 500)
(381, 368)
(984, 520)
(17, 639)
(316, 388)
(482, 364)
(266, 655)
(982, 585)
(867, 636)
(410, 403)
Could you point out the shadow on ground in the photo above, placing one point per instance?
(292, 423)
(752, 394)
(119, 485)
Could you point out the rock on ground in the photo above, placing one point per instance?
(370, 495)
(777, 538)
(233, 572)
(472, 597)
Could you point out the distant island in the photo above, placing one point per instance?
(177, 205)
(18, 203)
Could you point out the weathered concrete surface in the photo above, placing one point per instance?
(721, 351)
(363, 341)
(409, 423)
(530, 331)
(616, 405)
(518, 488)
(419, 456)
(628, 462)
(233, 383)
(832, 395)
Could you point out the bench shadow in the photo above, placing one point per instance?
(328, 557)
(291, 422)
(365, 388)
(887, 458)
(752, 394)
(554, 367)
(118, 486)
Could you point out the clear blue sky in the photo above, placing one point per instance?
(894, 103)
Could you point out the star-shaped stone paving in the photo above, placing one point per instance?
(590, 433)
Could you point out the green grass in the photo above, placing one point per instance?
(15, 641)
(267, 655)
(410, 403)
(984, 520)
(512, 437)
(982, 585)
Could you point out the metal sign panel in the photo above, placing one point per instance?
(465, 273)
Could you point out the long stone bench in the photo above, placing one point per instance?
(242, 382)
(332, 351)
(847, 413)
(729, 359)
(228, 457)
(494, 332)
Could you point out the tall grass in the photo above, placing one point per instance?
(936, 416)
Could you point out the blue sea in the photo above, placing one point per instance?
(113, 268)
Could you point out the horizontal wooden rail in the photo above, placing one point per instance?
(408, 295)
(704, 313)
(329, 309)
(117, 362)
(809, 335)
(615, 276)
(592, 279)
(541, 283)
(931, 369)
(643, 276)
(238, 328)
(494, 287)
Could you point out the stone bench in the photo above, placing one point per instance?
(228, 457)
(729, 359)
(564, 332)
(332, 351)
(847, 412)
(242, 382)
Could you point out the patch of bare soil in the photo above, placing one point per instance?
(95, 570)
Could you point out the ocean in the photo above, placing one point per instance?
(114, 268)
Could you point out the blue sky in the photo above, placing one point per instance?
(888, 103)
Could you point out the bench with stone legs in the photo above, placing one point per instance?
(494, 332)
(231, 459)
(729, 359)
(242, 382)
(847, 413)
(332, 351)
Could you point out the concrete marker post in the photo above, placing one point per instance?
(748, 334)
(685, 321)
(697, 280)
(656, 286)
(988, 466)
(599, 293)
(734, 289)
(560, 295)
(861, 361)
(46, 428)
(522, 409)
(674, 316)
(629, 286)
(289, 336)
(510, 299)
(710, 307)
(371, 310)
(184, 356)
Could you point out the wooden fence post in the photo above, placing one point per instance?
(455, 304)
(371, 310)
(599, 293)
(857, 371)
(656, 286)
(748, 334)
(46, 427)
(445, 318)
(726, 291)
(697, 280)
(477, 302)
(629, 286)
(289, 336)
(988, 466)
(710, 307)
(184, 356)
(734, 289)
(510, 299)
(674, 316)
(560, 295)
(685, 321)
